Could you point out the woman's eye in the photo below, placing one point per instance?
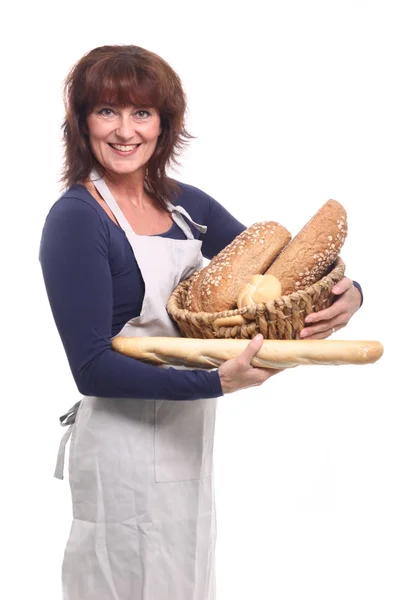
(143, 114)
(107, 112)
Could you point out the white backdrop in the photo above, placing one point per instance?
(292, 103)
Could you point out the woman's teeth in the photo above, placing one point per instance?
(124, 148)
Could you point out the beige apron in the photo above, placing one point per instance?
(141, 470)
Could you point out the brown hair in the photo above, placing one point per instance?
(124, 75)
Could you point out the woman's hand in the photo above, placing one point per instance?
(238, 373)
(322, 324)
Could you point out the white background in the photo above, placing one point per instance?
(292, 103)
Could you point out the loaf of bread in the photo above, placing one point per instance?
(215, 287)
(275, 354)
(308, 257)
(258, 289)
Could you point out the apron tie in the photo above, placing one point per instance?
(182, 211)
(68, 419)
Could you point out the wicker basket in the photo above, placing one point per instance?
(279, 319)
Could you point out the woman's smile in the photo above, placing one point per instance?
(124, 150)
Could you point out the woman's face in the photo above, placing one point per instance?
(123, 138)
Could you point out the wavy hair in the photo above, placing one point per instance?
(124, 75)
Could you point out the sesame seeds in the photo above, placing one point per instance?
(309, 256)
(252, 249)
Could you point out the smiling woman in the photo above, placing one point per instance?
(112, 94)
(114, 246)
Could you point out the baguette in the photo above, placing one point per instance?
(215, 288)
(308, 257)
(275, 354)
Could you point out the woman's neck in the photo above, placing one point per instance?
(128, 190)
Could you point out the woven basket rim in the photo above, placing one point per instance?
(281, 300)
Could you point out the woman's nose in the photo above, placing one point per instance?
(126, 127)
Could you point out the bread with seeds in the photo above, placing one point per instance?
(215, 288)
(313, 250)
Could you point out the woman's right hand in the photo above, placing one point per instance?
(238, 373)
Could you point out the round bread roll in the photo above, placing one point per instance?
(258, 289)
(215, 288)
(314, 249)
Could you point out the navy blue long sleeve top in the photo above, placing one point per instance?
(95, 287)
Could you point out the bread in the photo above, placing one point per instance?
(215, 288)
(273, 354)
(307, 258)
(258, 289)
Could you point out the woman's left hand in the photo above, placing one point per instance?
(322, 324)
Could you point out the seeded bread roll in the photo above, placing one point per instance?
(314, 249)
(215, 288)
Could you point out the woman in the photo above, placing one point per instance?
(114, 246)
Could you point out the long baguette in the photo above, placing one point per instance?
(275, 354)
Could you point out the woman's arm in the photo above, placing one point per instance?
(222, 228)
(74, 259)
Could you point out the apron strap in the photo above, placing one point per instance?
(181, 222)
(65, 420)
(70, 415)
(59, 470)
(103, 190)
(176, 211)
